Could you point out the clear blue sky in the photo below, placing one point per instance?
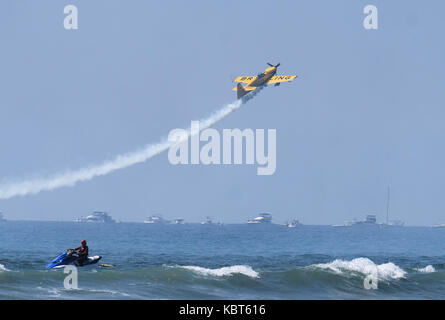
(367, 110)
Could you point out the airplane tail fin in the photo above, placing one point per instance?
(240, 91)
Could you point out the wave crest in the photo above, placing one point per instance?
(224, 271)
(365, 266)
(427, 269)
(3, 268)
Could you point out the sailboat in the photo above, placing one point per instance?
(392, 223)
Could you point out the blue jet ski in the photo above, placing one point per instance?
(70, 258)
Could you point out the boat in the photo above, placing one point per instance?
(97, 217)
(208, 220)
(370, 220)
(262, 218)
(293, 223)
(347, 223)
(395, 223)
(179, 221)
(155, 219)
(69, 258)
(439, 226)
(2, 218)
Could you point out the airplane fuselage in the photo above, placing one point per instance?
(262, 78)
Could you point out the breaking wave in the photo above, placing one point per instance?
(3, 268)
(224, 271)
(364, 266)
(427, 269)
(338, 279)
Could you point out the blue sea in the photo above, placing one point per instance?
(194, 261)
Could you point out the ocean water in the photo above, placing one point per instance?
(194, 261)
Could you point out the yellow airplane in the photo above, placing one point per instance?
(263, 79)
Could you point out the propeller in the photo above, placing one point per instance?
(273, 65)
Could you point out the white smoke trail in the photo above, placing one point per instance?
(70, 178)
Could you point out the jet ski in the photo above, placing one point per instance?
(70, 258)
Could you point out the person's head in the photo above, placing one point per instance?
(83, 243)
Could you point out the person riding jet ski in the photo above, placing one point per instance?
(82, 252)
(78, 257)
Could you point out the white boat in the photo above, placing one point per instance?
(154, 219)
(179, 221)
(395, 223)
(96, 217)
(208, 220)
(439, 226)
(292, 224)
(262, 218)
(370, 220)
(347, 223)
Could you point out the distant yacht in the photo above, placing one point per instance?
(439, 226)
(155, 219)
(346, 224)
(292, 224)
(179, 221)
(208, 220)
(395, 223)
(2, 218)
(370, 220)
(262, 218)
(97, 217)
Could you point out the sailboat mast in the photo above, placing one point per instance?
(387, 207)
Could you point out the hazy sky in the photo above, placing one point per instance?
(366, 112)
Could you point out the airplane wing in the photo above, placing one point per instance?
(245, 79)
(276, 79)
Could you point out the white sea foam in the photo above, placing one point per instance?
(112, 292)
(3, 268)
(224, 271)
(427, 269)
(366, 266)
(54, 293)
